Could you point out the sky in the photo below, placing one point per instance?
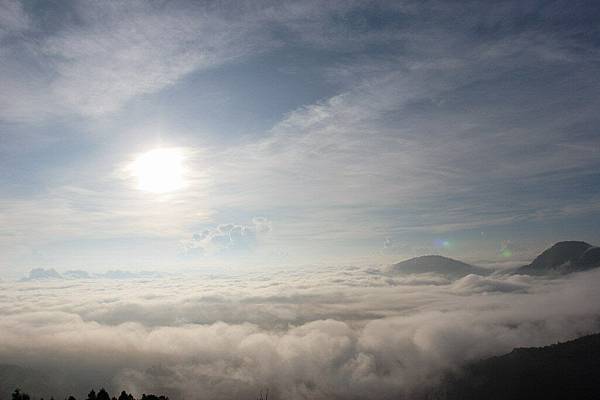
(203, 199)
(180, 136)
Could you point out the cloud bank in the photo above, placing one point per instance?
(309, 333)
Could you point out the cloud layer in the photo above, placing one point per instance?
(313, 333)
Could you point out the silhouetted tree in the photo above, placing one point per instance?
(266, 395)
(18, 395)
(153, 397)
(103, 395)
(125, 396)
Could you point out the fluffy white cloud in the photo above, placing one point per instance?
(310, 333)
(479, 284)
(227, 238)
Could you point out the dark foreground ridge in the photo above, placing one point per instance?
(103, 395)
(568, 370)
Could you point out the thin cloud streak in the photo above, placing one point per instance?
(440, 131)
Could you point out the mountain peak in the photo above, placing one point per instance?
(437, 264)
(42, 274)
(564, 257)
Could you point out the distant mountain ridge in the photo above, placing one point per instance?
(563, 258)
(438, 265)
(41, 274)
(38, 274)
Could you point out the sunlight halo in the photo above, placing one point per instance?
(159, 170)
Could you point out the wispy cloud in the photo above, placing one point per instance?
(115, 52)
(438, 118)
(13, 18)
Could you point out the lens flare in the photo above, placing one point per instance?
(505, 249)
(442, 244)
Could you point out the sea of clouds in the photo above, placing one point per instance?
(310, 333)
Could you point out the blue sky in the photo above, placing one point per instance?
(309, 132)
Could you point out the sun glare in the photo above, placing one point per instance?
(159, 170)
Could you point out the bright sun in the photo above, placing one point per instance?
(159, 170)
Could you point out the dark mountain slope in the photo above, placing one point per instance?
(437, 264)
(13, 376)
(564, 258)
(568, 370)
